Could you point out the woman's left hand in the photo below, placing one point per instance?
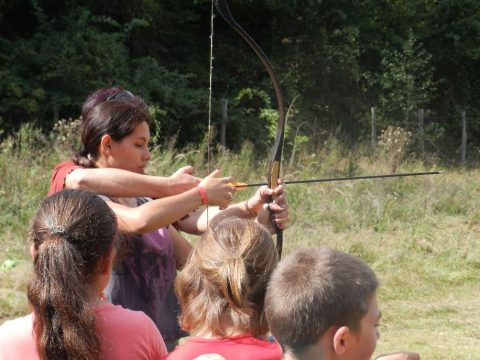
(275, 212)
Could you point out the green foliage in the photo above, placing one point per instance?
(172, 100)
(406, 81)
(48, 75)
(54, 69)
(339, 58)
(65, 136)
(252, 119)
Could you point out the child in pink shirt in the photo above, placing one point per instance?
(73, 248)
(221, 291)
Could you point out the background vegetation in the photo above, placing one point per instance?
(420, 234)
(338, 58)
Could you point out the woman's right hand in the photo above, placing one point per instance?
(219, 190)
(182, 180)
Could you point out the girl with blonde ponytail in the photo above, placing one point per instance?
(72, 235)
(221, 291)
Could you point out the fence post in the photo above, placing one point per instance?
(223, 129)
(463, 148)
(373, 124)
(421, 133)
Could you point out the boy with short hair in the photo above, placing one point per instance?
(322, 304)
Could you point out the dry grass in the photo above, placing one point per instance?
(419, 234)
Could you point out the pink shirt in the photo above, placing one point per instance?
(124, 334)
(243, 347)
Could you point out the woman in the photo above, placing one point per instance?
(73, 235)
(83, 172)
(118, 182)
(221, 291)
(115, 136)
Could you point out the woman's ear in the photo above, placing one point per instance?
(105, 145)
(340, 340)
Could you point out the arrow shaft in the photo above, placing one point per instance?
(363, 177)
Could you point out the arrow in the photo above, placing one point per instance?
(244, 185)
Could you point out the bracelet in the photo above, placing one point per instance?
(249, 210)
(203, 195)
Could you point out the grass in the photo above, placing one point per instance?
(420, 235)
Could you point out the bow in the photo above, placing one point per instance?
(274, 168)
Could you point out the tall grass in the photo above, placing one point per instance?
(420, 234)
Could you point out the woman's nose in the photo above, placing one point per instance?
(146, 154)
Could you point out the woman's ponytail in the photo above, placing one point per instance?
(84, 158)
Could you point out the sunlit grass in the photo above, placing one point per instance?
(419, 234)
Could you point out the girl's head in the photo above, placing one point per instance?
(222, 287)
(109, 123)
(72, 237)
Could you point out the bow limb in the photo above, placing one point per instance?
(274, 168)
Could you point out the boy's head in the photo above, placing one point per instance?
(323, 302)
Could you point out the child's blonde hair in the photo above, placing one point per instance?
(222, 287)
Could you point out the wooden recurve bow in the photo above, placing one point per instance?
(274, 168)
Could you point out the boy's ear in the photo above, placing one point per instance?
(340, 340)
(105, 144)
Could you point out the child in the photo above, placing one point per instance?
(73, 235)
(322, 304)
(221, 292)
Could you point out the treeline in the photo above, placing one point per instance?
(337, 59)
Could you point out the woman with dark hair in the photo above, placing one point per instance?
(115, 136)
(221, 291)
(118, 182)
(73, 234)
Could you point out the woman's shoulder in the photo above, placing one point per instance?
(59, 174)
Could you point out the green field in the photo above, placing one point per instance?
(419, 234)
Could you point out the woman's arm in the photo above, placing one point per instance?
(198, 221)
(161, 212)
(181, 247)
(255, 207)
(123, 183)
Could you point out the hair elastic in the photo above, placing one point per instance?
(54, 230)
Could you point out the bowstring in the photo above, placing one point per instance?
(212, 16)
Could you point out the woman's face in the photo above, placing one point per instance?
(131, 153)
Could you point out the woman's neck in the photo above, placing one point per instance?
(101, 162)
